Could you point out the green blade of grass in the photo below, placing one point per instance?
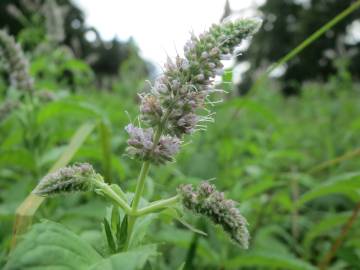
(342, 15)
(317, 34)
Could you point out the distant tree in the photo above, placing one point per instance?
(105, 57)
(286, 24)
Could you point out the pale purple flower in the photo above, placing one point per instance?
(166, 149)
(141, 145)
(140, 142)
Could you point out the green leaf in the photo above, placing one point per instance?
(51, 246)
(181, 267)
(259, 188)
(227, 80)
(115, 218)
(141, 229)
(347, 184)
(122, 233)
(68, 108)
(130, 260)
(269, 261)
(109, 236)
(322, 227)
(251, 106)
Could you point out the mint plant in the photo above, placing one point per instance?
(174, 107)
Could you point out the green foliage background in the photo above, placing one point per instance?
(263, 150)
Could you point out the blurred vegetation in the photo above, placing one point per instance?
(292, 163)
(63, 23)
(287, 24)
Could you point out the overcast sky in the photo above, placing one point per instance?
(159, 27)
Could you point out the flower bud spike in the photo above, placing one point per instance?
(205, 200)
(79, 177)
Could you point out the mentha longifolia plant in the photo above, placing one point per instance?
(174, 107)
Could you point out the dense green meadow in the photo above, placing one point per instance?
(292, 163)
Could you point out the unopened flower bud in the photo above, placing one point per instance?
(150, 109)
(209, 202)
(204, 55)
(214, 52)
(79, 177)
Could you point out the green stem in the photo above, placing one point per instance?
(140, 185)
(119, 191)
(139, 190)
(157, 205)
(107, 190)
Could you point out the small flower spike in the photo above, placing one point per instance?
(174, 103)
(17, 64)
(79, 177)
(209, 202)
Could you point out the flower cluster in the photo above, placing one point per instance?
(141, 145)
(79, 177)
(17, 64)
(207, 201)
(174, 101)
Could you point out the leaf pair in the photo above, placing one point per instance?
(116, 230)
